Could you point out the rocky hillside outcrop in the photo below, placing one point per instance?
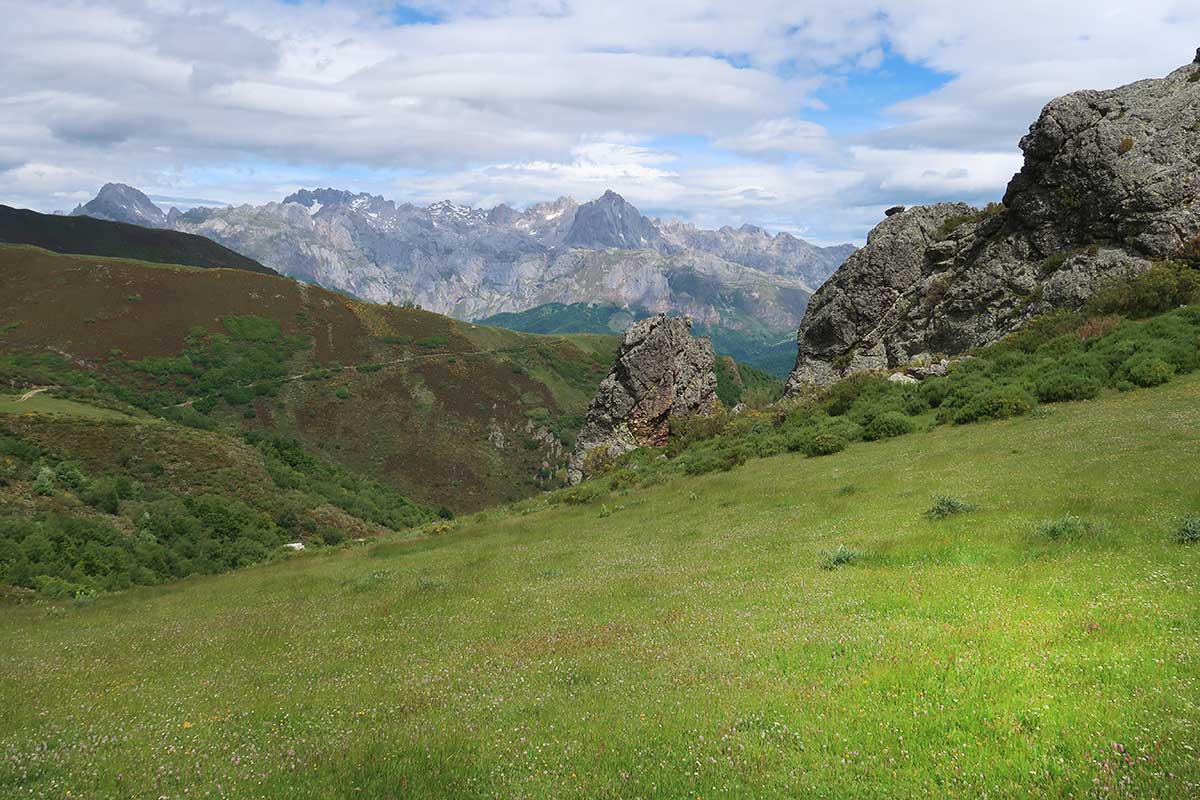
(1110, 183)
(661, 375)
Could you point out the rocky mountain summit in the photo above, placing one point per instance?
(613, 222)
(117, 202)
(470, 263)
(661, 375)
(1109, 185)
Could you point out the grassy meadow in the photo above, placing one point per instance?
(794, 627)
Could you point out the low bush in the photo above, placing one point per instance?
(999, 403)
(889, 424)
(1062, 384)
(1059, 357)
(1164, 286)
(1146, 369)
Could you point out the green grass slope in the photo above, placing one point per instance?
(791, 628)
(449, 413)
(96, 237)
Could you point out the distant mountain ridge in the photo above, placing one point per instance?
(84, 235)
(471, 263)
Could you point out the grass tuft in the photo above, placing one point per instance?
(947, 506)
(1189, 528)
(1066, 527)
(370, 581)
(840, 556)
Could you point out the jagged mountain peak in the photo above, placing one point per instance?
(120, 202)
(470, 262)
(325, 197)
(611, 221)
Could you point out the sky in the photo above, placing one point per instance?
(809, 117)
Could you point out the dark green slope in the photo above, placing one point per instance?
(96, 237)
(773, 352)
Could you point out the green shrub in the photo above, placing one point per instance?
(947, 506)
(1162, 287)
(238, 395)
(887, 425)
(1189, 530)
(998, 403)
(820, 435)
(722, 457)
(44, 483)
(825, 443)
(584, 493)
(1146, 369)
(342, 393)
(840, 556)
(68, 475)
(1061, 385)
(934, 390)
(331, 536)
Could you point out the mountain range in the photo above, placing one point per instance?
(472, 263)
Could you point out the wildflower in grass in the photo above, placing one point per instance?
(946, 506)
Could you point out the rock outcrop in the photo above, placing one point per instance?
(661, 375)
(1110, 183)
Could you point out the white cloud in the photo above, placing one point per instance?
(944, 173)
(780, 138)
(522, 100)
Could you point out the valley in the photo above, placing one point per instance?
(748, 288)
(336, 495)
(376, 388)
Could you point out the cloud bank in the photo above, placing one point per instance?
(804, 116)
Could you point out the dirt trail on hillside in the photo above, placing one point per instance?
(31, 393)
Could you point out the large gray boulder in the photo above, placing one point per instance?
(1110, 183)
(863, 290)
(661, 375)
(1121, 165)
